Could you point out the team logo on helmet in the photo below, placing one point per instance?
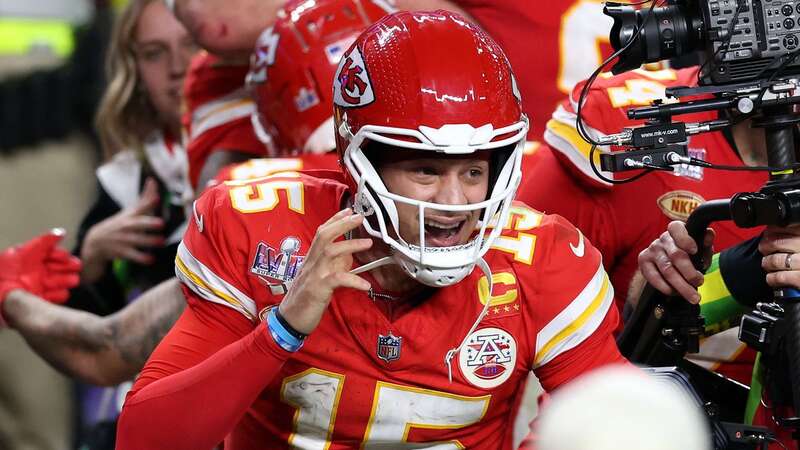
(263, 56)
(488, 357)
(352, 86)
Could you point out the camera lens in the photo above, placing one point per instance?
(674, 30)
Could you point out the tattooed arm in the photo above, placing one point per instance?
(98, 350)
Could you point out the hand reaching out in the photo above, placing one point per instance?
(40, 267)
(123, 235)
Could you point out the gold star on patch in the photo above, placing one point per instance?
(516, 306)
(496, 310)
(506, 308)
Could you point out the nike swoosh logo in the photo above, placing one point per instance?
(198, 219)
(578, 250)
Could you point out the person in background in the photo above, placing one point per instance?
(551, 47)
(128, 239)
(108, 350)
(747, 273)
(622, 219)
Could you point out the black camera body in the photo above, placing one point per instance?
(739, 40)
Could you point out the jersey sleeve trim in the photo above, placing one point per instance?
(233, 106)
(577, 321)
(562, 135)
(209, 286)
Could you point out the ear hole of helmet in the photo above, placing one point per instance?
(374, 151)
(497, 164)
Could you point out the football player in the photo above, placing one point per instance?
(224, 124)
(422, 304)
(570, 38)
(623, 219)
(291, 68)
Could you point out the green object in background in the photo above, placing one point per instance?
(18, 36)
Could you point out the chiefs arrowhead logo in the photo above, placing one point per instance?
(352, 86)
(263, 56)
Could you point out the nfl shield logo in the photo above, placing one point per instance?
(389, 347)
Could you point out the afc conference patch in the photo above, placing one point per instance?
(488, 357)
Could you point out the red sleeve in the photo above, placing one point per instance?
(575, 313)
(234, 136)
(200, 380)
(600, 349)
(218, 357)
(217, 113)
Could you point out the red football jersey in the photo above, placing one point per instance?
(550, 46)
(372, 376)
(264, 167)
(218, 108)
(622, 220)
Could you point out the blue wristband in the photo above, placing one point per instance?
(281, 335)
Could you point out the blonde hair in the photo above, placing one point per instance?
(125, 115)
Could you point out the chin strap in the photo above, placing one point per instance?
(374, 264)
(448, 358)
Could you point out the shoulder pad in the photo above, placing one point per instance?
(605, 112)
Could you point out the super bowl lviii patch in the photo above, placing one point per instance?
(282, 264)
(488, 357)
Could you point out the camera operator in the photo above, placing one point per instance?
(746, 272)
(622, 219)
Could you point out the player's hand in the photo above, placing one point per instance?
(123, 235)
(667, 266)
(40, 267)
(325, 268)
(780, 247)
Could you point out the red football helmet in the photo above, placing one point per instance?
(429, 81)
(292, 68)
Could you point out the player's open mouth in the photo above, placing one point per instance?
(443, 232)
